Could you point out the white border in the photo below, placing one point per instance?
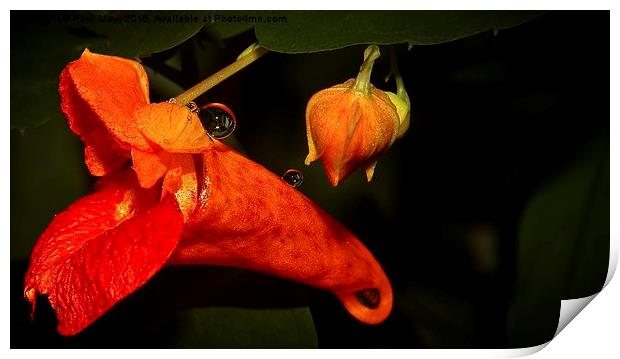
(318, 5)
(592, 333)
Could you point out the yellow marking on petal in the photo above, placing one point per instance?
(125, 208)
(182, 182)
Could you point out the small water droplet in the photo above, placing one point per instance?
(218, 120)
(193, 107)
(293, 177)
(369, 297)
(172, 100)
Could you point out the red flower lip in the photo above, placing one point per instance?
(290, 236)
(186, 199)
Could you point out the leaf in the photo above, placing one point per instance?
(223, 26)
(563, 245)
(233, 308)
(135, 34)
(48, 173)
(234, 327)
(440, 319)
(42, 43)
(312, 31)
(34, 72)
(219, 307)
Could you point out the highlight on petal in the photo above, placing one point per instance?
(173, 127)
(182, 182)
(248, 217)
(109, 89)
(100, 249)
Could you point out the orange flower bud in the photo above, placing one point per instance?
(351, 124)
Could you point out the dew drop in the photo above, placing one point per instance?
(293, 177)
(193, 107)
(369, 297)
(172, 100)
(218, 120)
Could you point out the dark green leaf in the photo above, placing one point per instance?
(233, 327)
(311, 31)
(36, 62)
(563, 245)
(217, 307)
(440, 319)
(48, 173)
(162, 85)
(223, 24)
(42, 43)
(232, 308)
(140, 33)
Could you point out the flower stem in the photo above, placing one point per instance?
(400, 85)
(362, 82)
(213, 80)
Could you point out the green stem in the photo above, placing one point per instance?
(400, 85)
(362, 82)
(213, 80)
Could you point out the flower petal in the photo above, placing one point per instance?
(103, 154)
(173, 127)
(248, 217)
(178, 171)
(111, 89)
(181, 181)
(102, 248)
(149, 166)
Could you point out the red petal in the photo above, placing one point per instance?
(177, 170)
(102, 248)
(248, 217)
(103, 154)
(106, 91)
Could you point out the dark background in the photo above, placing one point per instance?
(494, 118)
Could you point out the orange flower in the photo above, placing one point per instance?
(351, 124)
(186, 199)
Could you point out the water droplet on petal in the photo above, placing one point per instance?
(193, 107)
(172, 100)
(293, 177)
(218, 120)
(369, 297)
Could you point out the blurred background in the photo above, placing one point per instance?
(492, 208)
